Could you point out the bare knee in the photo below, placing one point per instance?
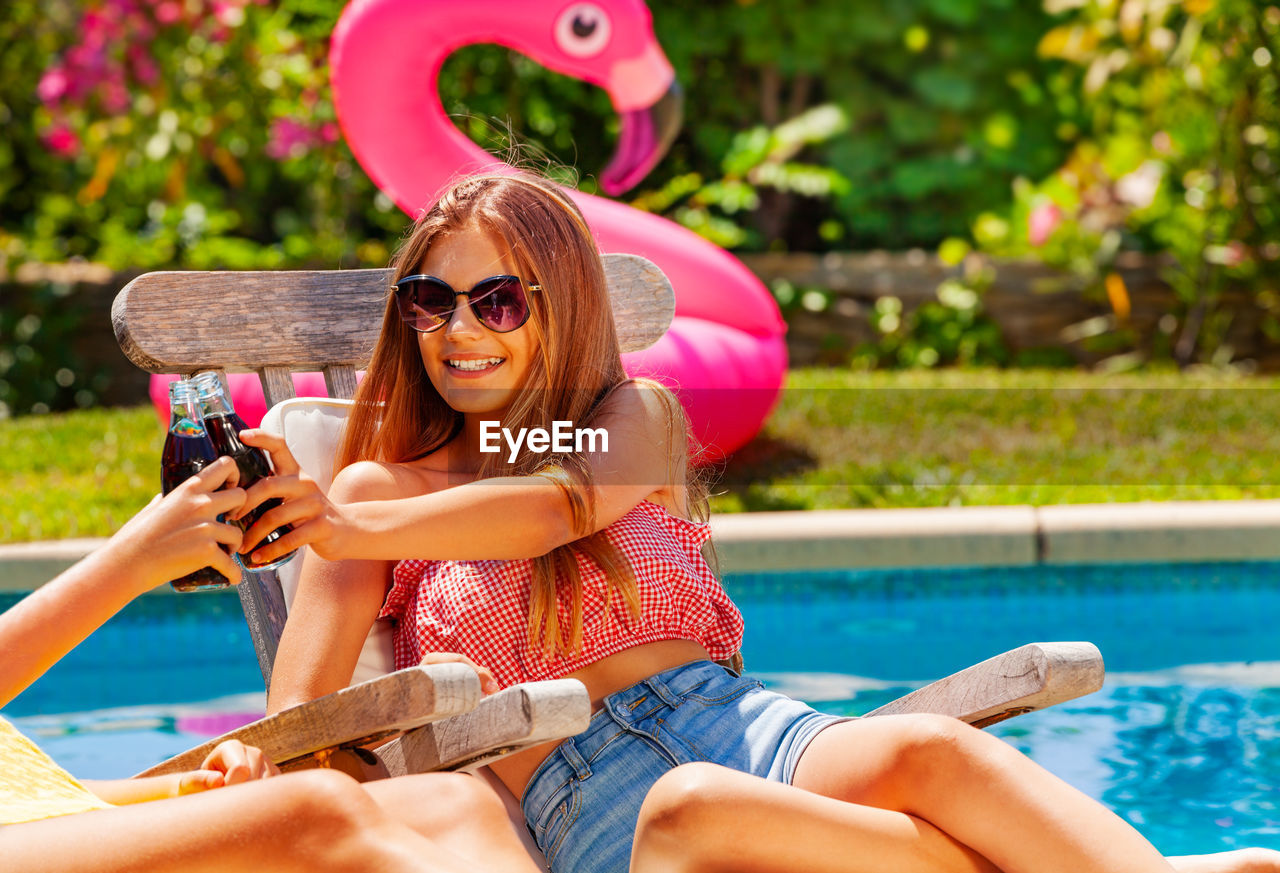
(330, 821)
(933, 750)
(434, 803)
(316, 795)
(679, 826)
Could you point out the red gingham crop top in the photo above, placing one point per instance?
(478, 608)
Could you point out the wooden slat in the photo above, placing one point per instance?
(277, 385)
(514, 718)
(340, 381)
(1028, 678)
(642, 299)
(178, 322)
(398, 701)
(265, 611)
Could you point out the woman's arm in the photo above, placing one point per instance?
(171, 537)
(499, 518)
(336, 604)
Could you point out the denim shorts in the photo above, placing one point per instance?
(583, 801)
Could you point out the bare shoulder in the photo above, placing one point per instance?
(649, 440)
(377, 480)
(643, 405)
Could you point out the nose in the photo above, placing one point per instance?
(462, 321)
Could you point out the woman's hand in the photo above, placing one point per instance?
(315, 519)
(230, 763)
(488, 685)
(182, 532)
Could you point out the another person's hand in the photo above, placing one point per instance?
(316, 520)
(488, 685)
(230, 763)
(180, 533)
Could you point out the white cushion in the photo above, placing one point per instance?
(311, 427)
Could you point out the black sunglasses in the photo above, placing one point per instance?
(427, 303)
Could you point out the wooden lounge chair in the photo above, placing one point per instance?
(276, 323)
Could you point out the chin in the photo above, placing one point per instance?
(479, 401)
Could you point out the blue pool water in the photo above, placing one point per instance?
(1184, 740)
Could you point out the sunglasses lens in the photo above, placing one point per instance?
(500, 303)
(424, 304)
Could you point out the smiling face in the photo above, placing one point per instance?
(476, 370)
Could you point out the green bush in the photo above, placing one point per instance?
(1179, 153)
(148, 133)
(40, 367)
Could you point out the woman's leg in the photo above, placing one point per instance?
(304, 822)
(701, 818)
(462, 814)
(985, 794)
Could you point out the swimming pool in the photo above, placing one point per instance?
(1184, 739)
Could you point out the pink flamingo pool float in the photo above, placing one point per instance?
(724, 353)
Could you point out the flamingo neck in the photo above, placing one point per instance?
(386, 67)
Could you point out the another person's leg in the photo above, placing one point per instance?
(460, 813)
(304, 822)
(701, 818)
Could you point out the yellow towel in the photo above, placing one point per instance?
(32, 786)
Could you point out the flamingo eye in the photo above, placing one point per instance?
(583, 30)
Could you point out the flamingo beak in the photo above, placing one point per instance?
(643, 138)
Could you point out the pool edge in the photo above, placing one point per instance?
(1244, 530)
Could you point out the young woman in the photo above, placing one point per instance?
(320, 820)
(543, 564)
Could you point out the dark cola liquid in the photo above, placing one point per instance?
(184, 456)
(224, 432)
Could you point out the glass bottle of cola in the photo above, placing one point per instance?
(224, 427)
(187, 450)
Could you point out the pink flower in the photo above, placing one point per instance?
(329, 132)
(168, 12)
(228, 14)
(289, 139)
(61, 140)
(1042, 222)
(115, 96)
(53, 85)
(144, 66)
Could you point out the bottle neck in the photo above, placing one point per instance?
(184, 414)
(213, 394)
(214, 404)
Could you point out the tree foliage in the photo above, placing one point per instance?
(202, 133)
(1180, 153)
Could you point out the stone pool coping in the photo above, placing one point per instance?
(1236, 530)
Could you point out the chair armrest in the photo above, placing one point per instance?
(1024, 679)
(383, 706)
(513, 719)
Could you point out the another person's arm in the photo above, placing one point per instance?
(171, 537)
(230, 763)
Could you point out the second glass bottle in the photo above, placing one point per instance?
(223, 427)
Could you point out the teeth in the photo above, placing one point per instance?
(479, 364)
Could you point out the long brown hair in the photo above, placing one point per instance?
(399, 416)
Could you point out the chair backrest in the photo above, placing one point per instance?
(278, 323)
(312, 427)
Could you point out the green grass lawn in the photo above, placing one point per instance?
(936, 438)
(77, 474)
(836, 439)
